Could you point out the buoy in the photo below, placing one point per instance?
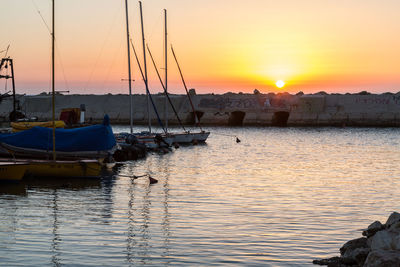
(152, 180)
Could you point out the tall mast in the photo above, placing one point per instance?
(129, 69)
(166, 68)
(145, 68)
(52, 84)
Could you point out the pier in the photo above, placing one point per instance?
(228, 109)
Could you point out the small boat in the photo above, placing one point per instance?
(188, 137)
(151, 141)
(26, 125)
(95, 142)
(12, 171)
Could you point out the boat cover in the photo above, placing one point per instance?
(91, 138)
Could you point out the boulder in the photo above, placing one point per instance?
(382, 240)
(383, 258)
(356, 256)
(393, 218)
(373, 228)
(353, 244)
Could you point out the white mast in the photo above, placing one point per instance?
(129, 69)
(145, 68)
(166, 76)
(52, 83)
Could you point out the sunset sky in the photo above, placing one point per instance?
(222, 45)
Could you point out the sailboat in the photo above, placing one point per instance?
(201, 136)
(54, 167)
(185, 137)
(149, 139)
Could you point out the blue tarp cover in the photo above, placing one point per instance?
(91, 138)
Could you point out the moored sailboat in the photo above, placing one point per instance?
(147, 138)
(51, 167)
(185, 137)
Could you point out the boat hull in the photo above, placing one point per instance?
(146, 139)
(12, 171)
(181, 138)
(189, 137)
(79, 168)
(201, 137)
(38, 153)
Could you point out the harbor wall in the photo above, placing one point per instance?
(227, 109)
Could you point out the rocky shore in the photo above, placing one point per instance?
(379, 247)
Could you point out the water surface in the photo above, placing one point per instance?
(280, 197)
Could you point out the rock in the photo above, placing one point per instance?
(353, 244)
(396, 242)
(356, 256)
(382, 240)
(333, 260)
(373, 228)
(383, 258)
(393, 218)
(395, 228)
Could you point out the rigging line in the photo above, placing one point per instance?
(165, 90)
(147, 89)
(196, 118)
(102, 48)
(40, 14)
(111, 66)
(62, 67)
(6, 83)
(8, 47)
(155, 26)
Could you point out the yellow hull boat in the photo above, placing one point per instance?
(12, 171)
(49, 168)
(61, 168)
(26, 125)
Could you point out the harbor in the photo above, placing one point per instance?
(199, 133)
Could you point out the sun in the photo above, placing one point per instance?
(280, 84)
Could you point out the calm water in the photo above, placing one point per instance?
(281, 197)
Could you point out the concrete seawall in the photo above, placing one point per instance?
(228, 109)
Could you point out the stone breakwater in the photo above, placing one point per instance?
(380, 246)
(228, 109)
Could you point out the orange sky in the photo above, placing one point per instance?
(313, 45)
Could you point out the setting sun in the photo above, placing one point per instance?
(280, 84)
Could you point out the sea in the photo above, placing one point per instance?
(279, 197)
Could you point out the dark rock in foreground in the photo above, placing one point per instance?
(379, 248)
